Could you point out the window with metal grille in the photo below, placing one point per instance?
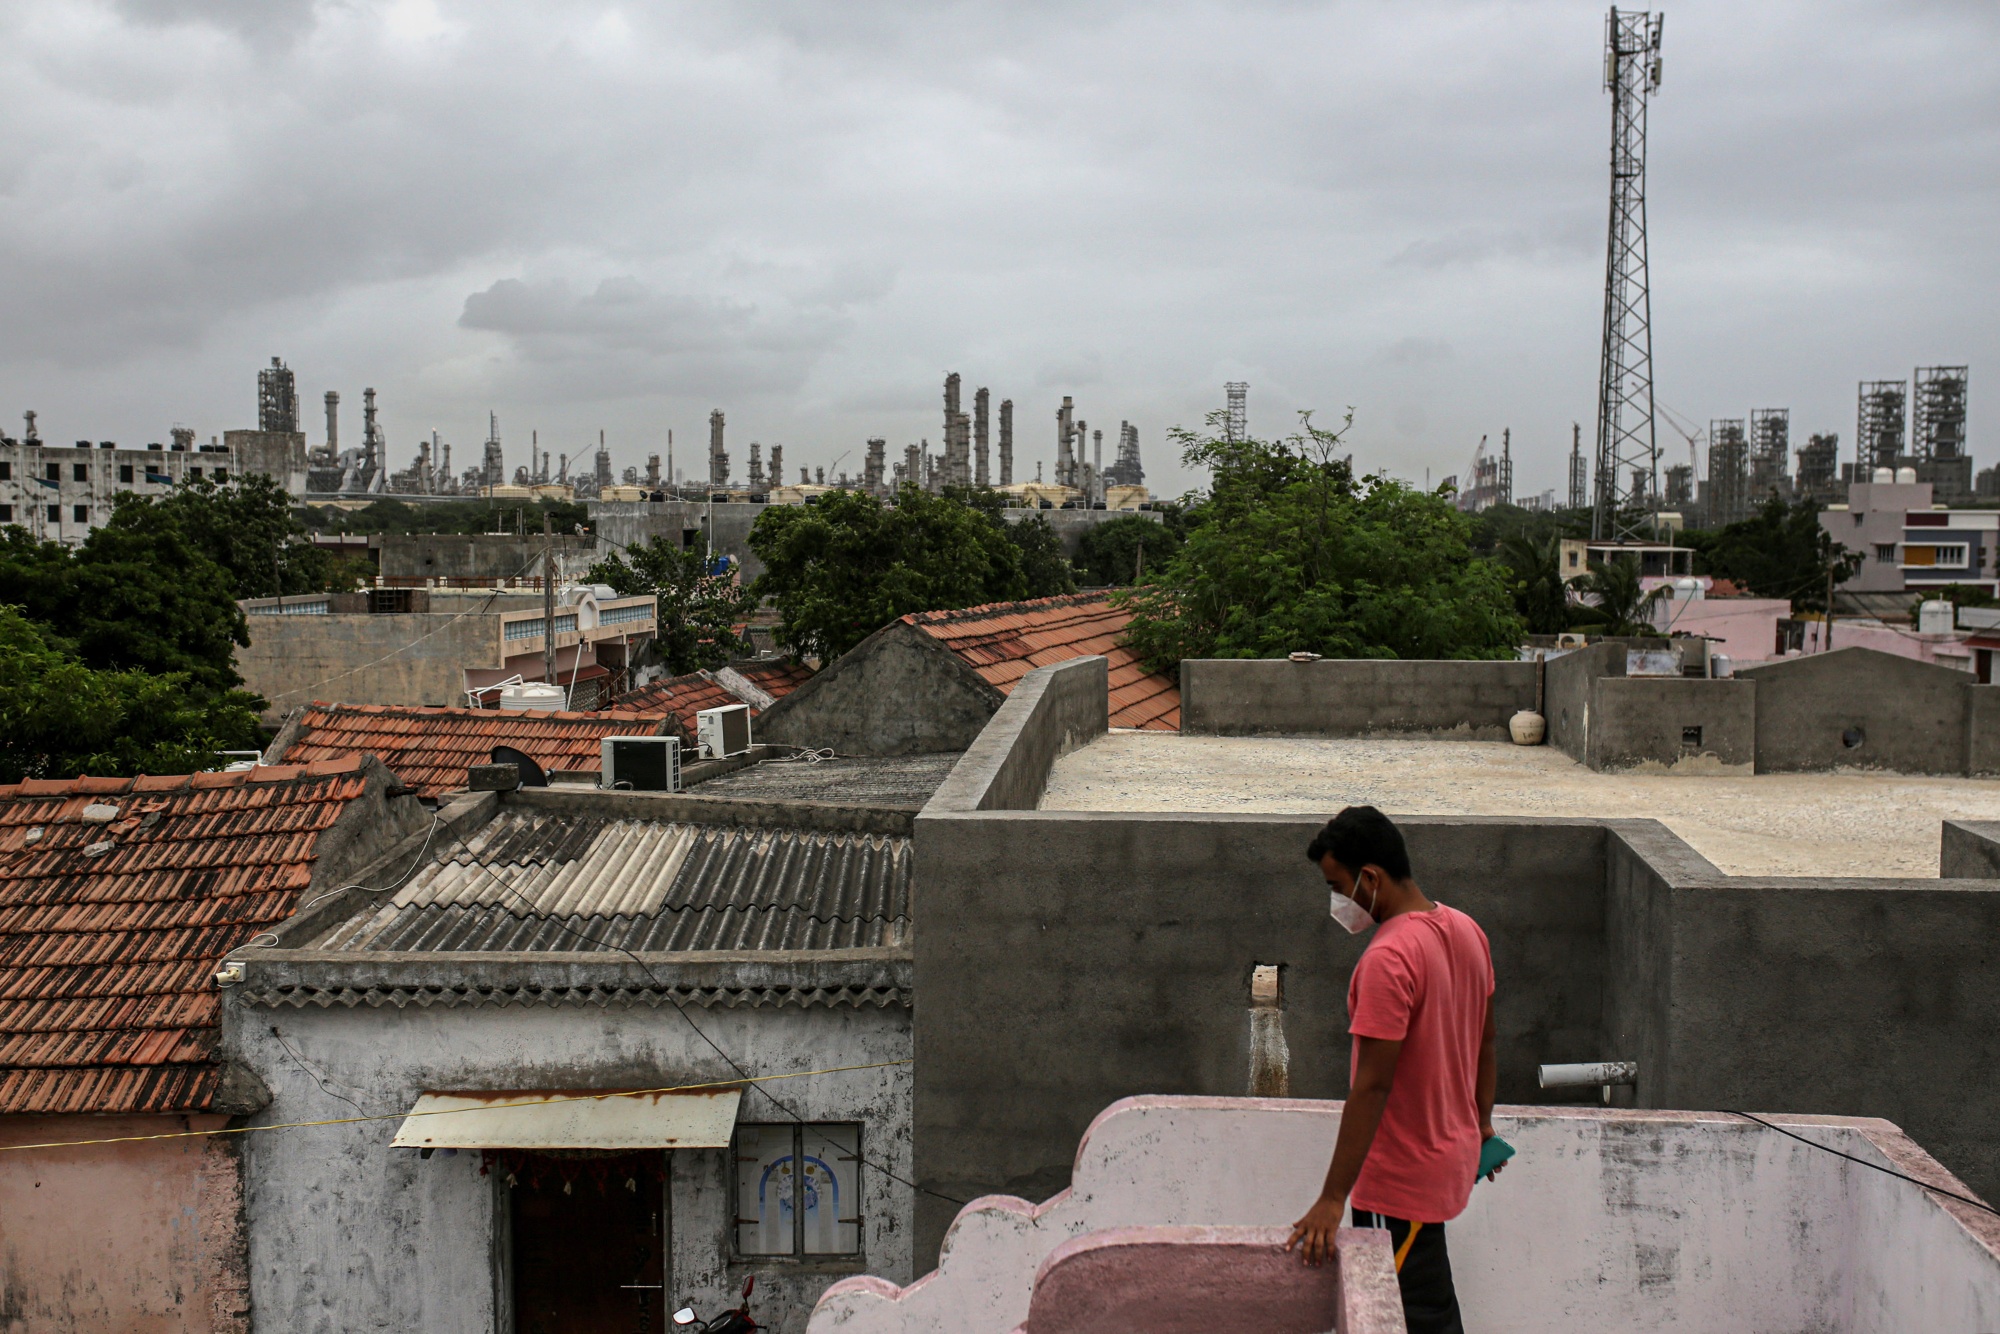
(1950, 556)
(533, 629)
(798, 1189)
(1885, 552)
(641, 611)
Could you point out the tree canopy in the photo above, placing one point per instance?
(60, 718)
(1781, 551)
(1120, 551)
(698, 611)
(1288, 551)
(845, 566)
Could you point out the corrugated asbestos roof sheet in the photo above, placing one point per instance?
(430, 748)
(542, 880)
(1004, 641)
(112, 923)
(682, 697)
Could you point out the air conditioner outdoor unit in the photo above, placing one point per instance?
(641, 763)
(723, 732)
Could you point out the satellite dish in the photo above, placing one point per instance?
(531, 773)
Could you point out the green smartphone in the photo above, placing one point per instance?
(1492, 1153)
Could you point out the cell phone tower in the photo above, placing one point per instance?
(1626, 446)
(1238, 427)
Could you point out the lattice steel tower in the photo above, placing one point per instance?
(1626, 446)
(1237, 424)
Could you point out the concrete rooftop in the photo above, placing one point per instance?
(890, 780)
(1853, 822)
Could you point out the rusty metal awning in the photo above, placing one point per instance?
(571, 1119)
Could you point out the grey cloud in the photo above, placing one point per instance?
(624, 337)
(804, 212)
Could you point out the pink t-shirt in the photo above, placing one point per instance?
(1425, 980)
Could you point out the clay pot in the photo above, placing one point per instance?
(1527, 728)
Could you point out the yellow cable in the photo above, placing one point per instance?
(454, 1111)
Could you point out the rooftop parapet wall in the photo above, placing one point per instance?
(1606, 1219)
(1855, 707)
(1052, 712)
(1123, 943)
(1353, 697)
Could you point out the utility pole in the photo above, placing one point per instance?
(548, 600)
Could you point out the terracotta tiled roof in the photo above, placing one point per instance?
(112, 923)
(682, 697)
(1004, 641)
(430, 748)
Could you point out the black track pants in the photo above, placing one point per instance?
(1423, 1272)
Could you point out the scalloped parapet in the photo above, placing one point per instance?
(1607, 1218)
(1156, 1160)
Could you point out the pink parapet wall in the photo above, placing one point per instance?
(142, 1236)
(1197, 1280)
(1607, 1218)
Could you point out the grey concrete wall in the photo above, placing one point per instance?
(897, 692)
(405, 658)
(1847, 997)
(475, 555)
(1069, 526)
(1353, 697)
(1569, 686)
(1051, 712)
(347, 1233)
(1982, 741)
(1065, 959)
(1642, 720)
(1969, 850)
(1913, 716)
(628, 523)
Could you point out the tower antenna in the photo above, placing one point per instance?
(1626, 446)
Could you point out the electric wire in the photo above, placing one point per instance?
(446, 1111)
(1887, 1171)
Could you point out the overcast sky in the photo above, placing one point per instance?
(617, 217)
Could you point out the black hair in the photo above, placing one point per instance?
(1362, 836)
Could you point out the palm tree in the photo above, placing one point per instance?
(1539, 592)
(1623, 606)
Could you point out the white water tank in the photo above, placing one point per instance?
(534, 696)
(1906, 476)
(1884, 476)
(1688, 589)
(1934, 617)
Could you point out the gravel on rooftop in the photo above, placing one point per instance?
(1851, 822)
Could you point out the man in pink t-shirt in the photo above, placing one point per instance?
(1421, 1076)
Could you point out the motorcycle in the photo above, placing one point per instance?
(737, 1320)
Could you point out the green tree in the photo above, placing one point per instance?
(138, 594)
(250, 528)
(1534, 566)
(1125, 550)
(59, 718)
(389, 515)
(1623, 605)
(698, 611)
(1288, 551)
(1045, 569)
(1781, 551)
(842, 568)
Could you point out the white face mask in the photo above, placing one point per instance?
(1352, 915)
